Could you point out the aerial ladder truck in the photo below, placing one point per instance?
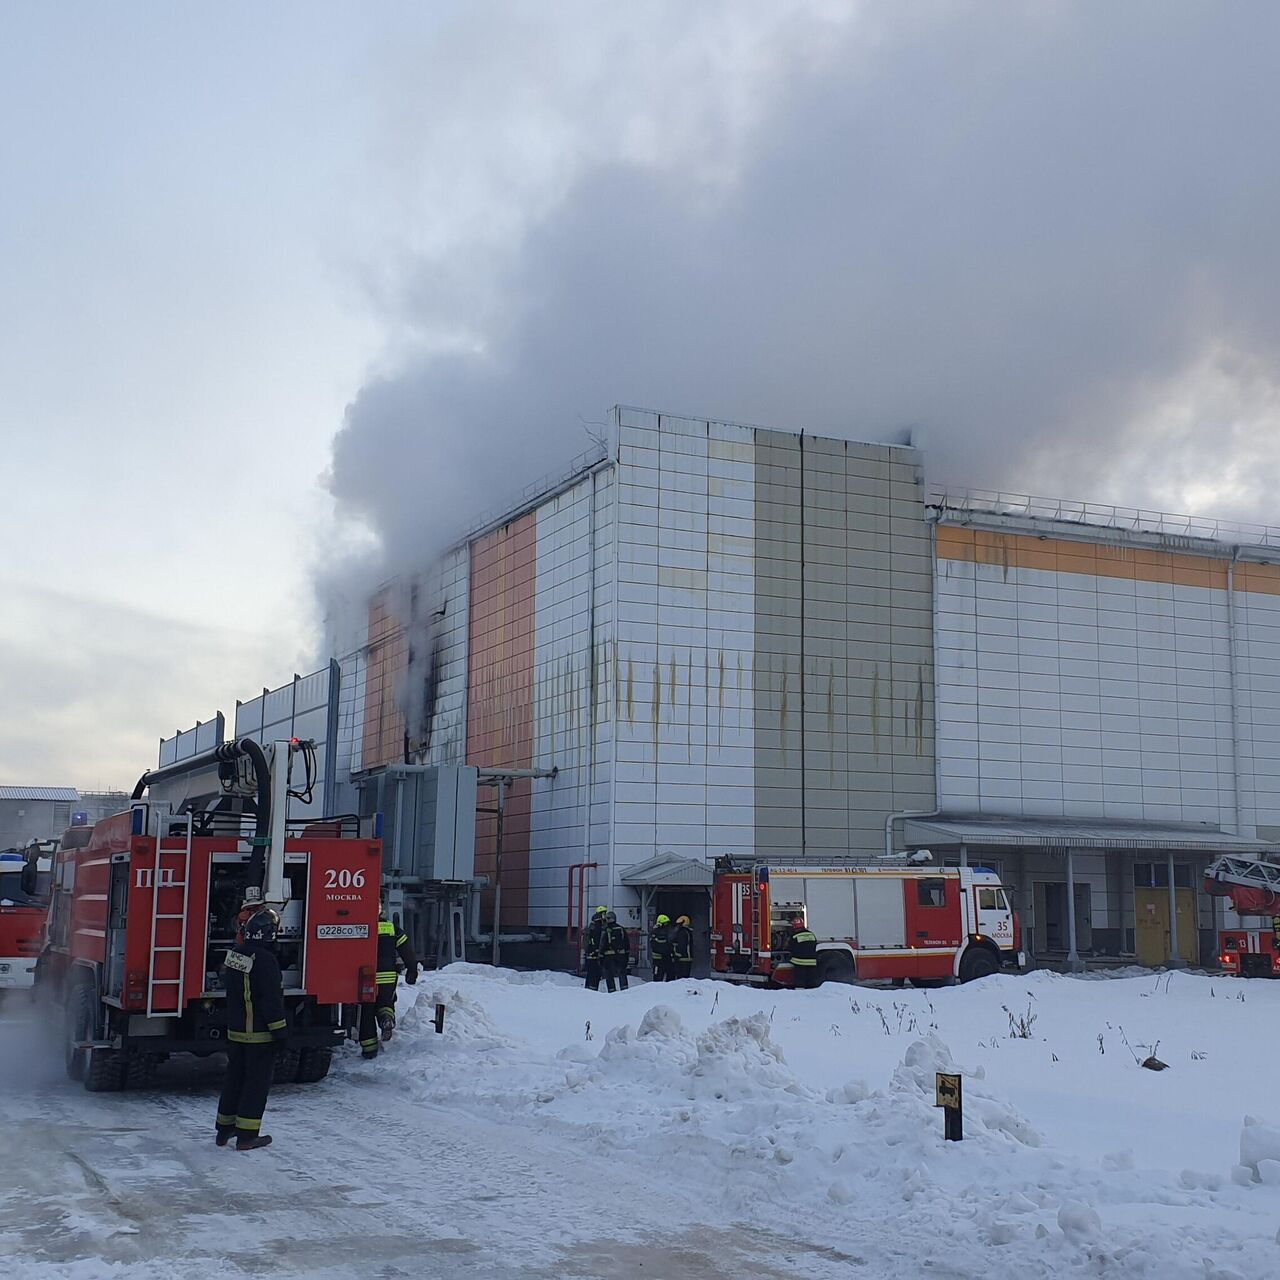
(1253, 887)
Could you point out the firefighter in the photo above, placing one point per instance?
(802, 953)
(682, 948)
(594, 949)
(660, 949)
(616, 952)
(256, 1023)
(381, 1014)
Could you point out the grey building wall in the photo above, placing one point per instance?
(23, 820)
(844, 644)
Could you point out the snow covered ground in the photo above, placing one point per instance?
(694, 1130)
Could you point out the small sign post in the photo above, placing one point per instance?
(949, 1095)
(439, 1019)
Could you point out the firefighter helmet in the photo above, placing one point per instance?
(610, 918)
(602, 911)
(261, 926)
(664, 920)
(797, 922)
(684, 920)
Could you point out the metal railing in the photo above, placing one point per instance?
(1100, 514)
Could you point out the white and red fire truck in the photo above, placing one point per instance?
(24, 901)
(1253, 886)
(142, 916)
(930, 925)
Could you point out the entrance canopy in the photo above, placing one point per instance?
(1048, 834)
(668, 870)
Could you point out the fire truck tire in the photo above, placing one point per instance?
(978, 962)
(313, 1064)
(286, 1069)
(140, 1070)
(836, 966)
(105, 1072)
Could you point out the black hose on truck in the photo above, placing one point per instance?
(229, 751)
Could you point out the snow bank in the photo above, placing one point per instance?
(820, 1104)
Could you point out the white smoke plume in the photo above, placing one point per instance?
(1038, 236)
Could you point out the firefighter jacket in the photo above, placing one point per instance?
(392, 942)
(682, 943)
(660, 944)
(595, 939)
(255, 995)
(802, 947)
(616, 944)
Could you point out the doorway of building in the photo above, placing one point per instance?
(1051, 910)
(696, 904)
(1151, 908)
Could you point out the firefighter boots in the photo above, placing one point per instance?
(253, 1142)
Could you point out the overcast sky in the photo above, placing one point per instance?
(1038, 236)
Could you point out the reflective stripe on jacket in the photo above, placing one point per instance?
(255, 995)
(802, 947)
(682, 943)
(616, 942)
(392, 943)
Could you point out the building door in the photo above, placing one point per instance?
(696, 904)
(1151, 907)
(1055, 933)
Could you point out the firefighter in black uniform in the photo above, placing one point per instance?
(660, 949)
(802, 952)
(616, 953)
(381, 1014)
(256, 1023)
(682, 948)
(593, 950)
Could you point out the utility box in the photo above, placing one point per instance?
(428, 820)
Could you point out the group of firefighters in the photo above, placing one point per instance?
(607, 950)
(256, 1022)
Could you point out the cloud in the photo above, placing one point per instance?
(88, 687)
(1038, 236)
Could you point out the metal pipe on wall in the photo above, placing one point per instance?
(1175, 960)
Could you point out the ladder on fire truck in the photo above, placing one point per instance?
(1249, 872)
(158, 886)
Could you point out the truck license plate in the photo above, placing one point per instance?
(342, 931)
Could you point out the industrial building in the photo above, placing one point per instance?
(713, 639)
(34, 813)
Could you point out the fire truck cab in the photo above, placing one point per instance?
(143, 913)
(24, 898)
(930, 925)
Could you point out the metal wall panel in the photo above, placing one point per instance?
(186, 743)
(306, 707)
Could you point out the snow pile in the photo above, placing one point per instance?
(821, 1105)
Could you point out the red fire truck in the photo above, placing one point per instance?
(142, 916)
(24, 900)
(1253, 886)
(930, 925)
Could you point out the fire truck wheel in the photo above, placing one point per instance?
(976, 963)
(105, 1072)
(313, 1064)
(140, 1070)
(835, 966)
(286, 1069)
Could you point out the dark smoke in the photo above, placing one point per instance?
(1040, 237)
